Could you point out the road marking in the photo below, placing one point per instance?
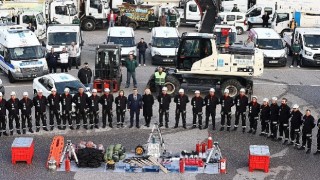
(17, 86)
(281, 84)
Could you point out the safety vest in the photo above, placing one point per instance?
(160, 78)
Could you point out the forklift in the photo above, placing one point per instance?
(107, 72)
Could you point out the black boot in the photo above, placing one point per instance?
(85, 127)
(71, 127)
(308, 151)
(206, 126)
(301, 148)
(235, 128)
(5, 133)
(110, 125)
(131, 125)
(167, 126)
(200, 127)
(18, 132)
(118, 125)
(254, 131)
(123, 125)
(51, 128)
(250, 131)
(78, 127)
(228, 129)
(96, 126)
(317, 152)
(45, 128)
(291, 143)
(193, 127)
(104, 126)
(285, 142)
(222, 129)
(184, 126)
(160, 125)
(37, 129)
(0, 134)
(30, 130)
(243, 130)
(24, 131)
(175, 126)
(11, 133)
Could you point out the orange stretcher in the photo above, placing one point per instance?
(56, 149)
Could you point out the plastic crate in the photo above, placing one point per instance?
(259, 158)
(22, 149)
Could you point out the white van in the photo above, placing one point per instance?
(270, 42)
(255, 13)
(229, 4)
(237, 19)
(123, 36)
(164, 43)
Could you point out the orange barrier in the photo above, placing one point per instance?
(56, 149)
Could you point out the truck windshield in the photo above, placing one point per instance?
(272, 44)
(312, 40)
(25, 53)
(72, 85)
(165, 42)
(62, 38)
(123, 41)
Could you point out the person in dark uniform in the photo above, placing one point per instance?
(151, 21)
(54, 108)
(318, 139)
(254, 110)
(12, 106)
(93, 103)
(265, 20)
(181, 101)
(124, 19)
(106, 101)
(211, 101)
(197, 103)
(134, 107)
(25, 106)
(296, 122)
(85, 75)
(40, 104)
(3, 116)
(265, 117)
(274, 118)
(241, 102)
(66, 105)
(148, 102)
(308, 125)
(226, 105)
(121, 104)
(173, 18)
(81, 101)
(284, 115)
(52, 61)
(235, 8)
(164, 100)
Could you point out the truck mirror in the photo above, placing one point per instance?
(82, 42)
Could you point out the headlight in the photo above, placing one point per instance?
(45, 66)
(17, 69)
(307, 53)
(264, 55)
(284, 55)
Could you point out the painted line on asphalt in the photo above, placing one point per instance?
(281, 84)
(17, 86)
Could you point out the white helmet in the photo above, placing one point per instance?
(226, 91)
(40, 91)
(53, 89)
(1, 94)
(242, 90)
(106, 90)
(66, 90)
(254, 97)
(181, 90)
(13, 93)
(274, 98)
(197, 92)
(25, 94)
(94, 90)
(295, 106)
(164, 89)
(265, 100)
(212, 90)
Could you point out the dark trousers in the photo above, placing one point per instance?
(3, 124)
(274, 129)
(318, 141)
(183, 115)
(26, 118)
(265, 126)
(94, 118)
(164, 113)
(213, 116)
(283, 128)
(120, 116)
(52, 114)
(253, 122)
(132, 114)
(295, 135)
(66, 116)
(172, 23)
(243, 119)
(52, 68)
(43, 117)
(223, 119)
(133, 75)
(71, 60)
(105, 113)
(151, 24)
(142, 54)
(265, 24)
(81, 114)
(147, 119)
(64, 67)
(199, 116)
(296, 58)
(306, 139)
(14, 117)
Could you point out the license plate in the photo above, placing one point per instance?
(167, 60)
(273, 62)
(318, 62)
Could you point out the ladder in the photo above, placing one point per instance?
(156, 137)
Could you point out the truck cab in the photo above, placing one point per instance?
(189, 12)
(61, 12)
(255, 13)
(21, 55)
(164, 43)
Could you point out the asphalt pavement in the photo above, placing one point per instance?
(300, 86)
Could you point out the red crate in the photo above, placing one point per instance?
(22, 154)
(259, 162)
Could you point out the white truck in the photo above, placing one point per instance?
(309, 41)
(62, 35)
(21, 55)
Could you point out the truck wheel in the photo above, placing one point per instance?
(88, 25)
(133, 25)
(173, 85)
(11, 78)
(233, 86)
(283, 31)
(239, 30)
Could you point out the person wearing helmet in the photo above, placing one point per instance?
(295, 128)
(3, 116)
(54, 109)
(12, 106)
(93, 103)
(106, 100)
(80, 99)
(308, 125)
(274, 118)
(66, 107)
(181, 101)
(226, 105)
(121, 105)
(241, 103)
(211, 101)
(254, 110)
(164, 100)
(318, 139)
(265, 117)
(197, 103)
(284, 116)
(25, 106)
(40, 104)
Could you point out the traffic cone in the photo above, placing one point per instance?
(227, 43)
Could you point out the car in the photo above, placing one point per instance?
(60, 81)
(2, 87)
(236, 19)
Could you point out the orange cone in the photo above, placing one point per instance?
(227, 44)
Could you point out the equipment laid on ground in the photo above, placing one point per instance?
(199, 63)
(139, 150)
(115, 153)
(259, 158)
(155, 142)
(22, 149)
(69, 152)
(56, 149)
(107, 72)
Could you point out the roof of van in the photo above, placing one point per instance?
(165, 32)
(232, 13)
(265, 33)
(121, 31)
(17, 36)
(63, 28)
(308, 30)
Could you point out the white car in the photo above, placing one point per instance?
(236, 19)
(60, 81)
